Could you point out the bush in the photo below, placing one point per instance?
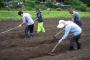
(77, 4)
(82, 7)
(88, 9)
(31, 4)
(42, 7)
(37, 2)
(50, 5)
(29, 8)
(58, 9)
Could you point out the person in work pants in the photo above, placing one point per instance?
(75, 17)
(73, 29)
(27, 19)
(40, 20)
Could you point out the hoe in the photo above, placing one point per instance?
(9, 30)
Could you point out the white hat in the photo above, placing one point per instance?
(61, 24)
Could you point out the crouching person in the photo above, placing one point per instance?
(71, 28)
(27, 19)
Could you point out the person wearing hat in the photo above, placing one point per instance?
(40, 20)
(27, 19)
(70, 28)
(75, 17)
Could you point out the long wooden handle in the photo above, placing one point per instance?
(10, 29)
(58, 33)
(56, 45)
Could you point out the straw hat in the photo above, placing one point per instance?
(61, 24)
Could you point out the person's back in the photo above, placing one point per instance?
(27, 19)
(39, 16)
(40, 21)
(76, 15)
(76, 18)
(70, 28)
(74, 29)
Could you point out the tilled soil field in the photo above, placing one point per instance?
(14, 45)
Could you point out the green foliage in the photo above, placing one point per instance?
(88, 10)
(12, 15)
(37, 2)
(50, 5)
(86, 2)
(77, 4)
(1, 0)
(42, 7)
(58, 9)
(82, 7)
(30, 4)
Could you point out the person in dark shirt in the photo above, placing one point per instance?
(75, 17)
(40, 20)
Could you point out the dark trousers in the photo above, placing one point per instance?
(78, 22)
(29, 30)
(76, 40)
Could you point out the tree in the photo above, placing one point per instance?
(77, 4)
(1, 3)
(86, 2)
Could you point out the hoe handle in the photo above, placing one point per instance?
(56, 45)
(58, 33)
(10, 29)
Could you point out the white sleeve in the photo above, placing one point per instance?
(23, 18)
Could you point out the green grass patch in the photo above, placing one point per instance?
(12, 15)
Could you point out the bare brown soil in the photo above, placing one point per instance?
(14, 46)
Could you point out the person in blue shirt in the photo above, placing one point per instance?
(75, 17)
(71, 28)
(40, 20)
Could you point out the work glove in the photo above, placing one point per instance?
(20, 25)
(60, 41)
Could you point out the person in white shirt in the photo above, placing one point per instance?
(27, 19)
